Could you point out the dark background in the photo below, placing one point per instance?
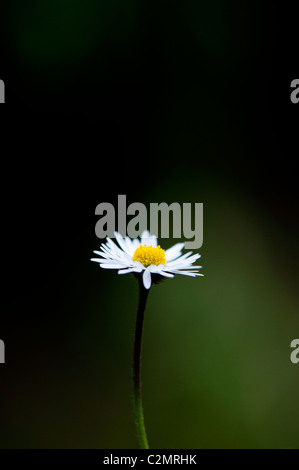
(160, 101)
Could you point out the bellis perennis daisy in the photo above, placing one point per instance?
(146, 257)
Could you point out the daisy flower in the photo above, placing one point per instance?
(146, 257)
(150, 263)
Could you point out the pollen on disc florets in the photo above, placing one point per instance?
(148, 255)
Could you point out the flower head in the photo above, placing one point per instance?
(146, 257)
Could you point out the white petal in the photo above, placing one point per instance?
(174, 251)
(166, 274)
(100, 260)
(147, 278)
(128, 270)
(121, 241)
(113, 249)
(153, 240)
(111, 245)
(139, 266)
(111, 266)
(114, 252)
(104, 255)
(146, 238)
(187, 273)
(175, 266)
(145, 234)
(98, 253)
(181, 258)
(130, 247)
(159, 270)
(182, 262)
(153, 268)
(135, 244)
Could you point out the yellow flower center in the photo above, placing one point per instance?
(148, 255)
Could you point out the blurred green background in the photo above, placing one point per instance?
(162, 102)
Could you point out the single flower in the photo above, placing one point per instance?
(150, 263)
(147, 257)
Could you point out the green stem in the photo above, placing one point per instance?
(143, 293)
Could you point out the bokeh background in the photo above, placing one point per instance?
(163, 102)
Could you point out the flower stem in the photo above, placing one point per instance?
(143, 293)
